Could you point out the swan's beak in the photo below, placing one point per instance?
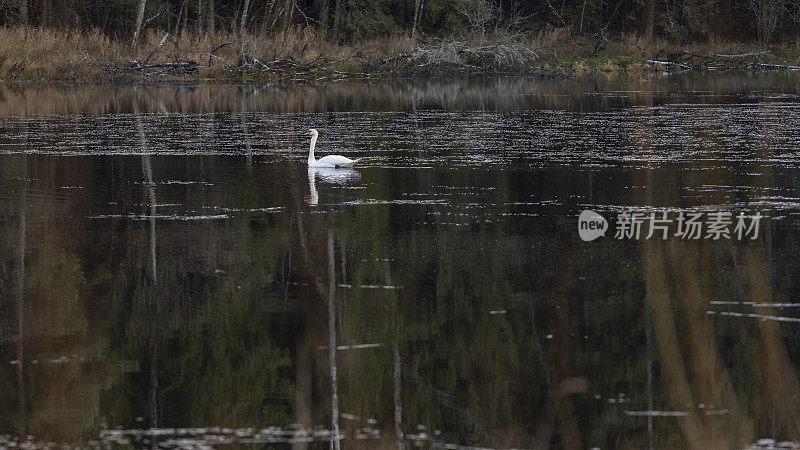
(307, 133)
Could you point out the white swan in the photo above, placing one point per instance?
(330, 161)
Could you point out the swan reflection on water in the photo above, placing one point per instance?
(329, 175)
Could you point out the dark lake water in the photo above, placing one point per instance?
(172, 273)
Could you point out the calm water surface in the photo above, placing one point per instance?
(172, 273)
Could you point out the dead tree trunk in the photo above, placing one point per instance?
(185, 17)
(45, 13)
(323, 15)
(139, 21)
(211, 19)
(337, 13)
(767, 14)
(291, 4)
(418, 5)
(199, 21)
(649, 19)
(265, 26)
(243, 23)
(182, 12)
(23, 12)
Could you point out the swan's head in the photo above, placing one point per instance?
(311, 132)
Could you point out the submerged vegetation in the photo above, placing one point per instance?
(292, 40)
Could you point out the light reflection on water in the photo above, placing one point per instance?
(172, 271)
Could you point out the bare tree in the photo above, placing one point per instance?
(649, 19)
(418, 5)
(323, 14)
(265, 27)
(337, 13)
(278, 13)
(210, 17)
(45, 11)
(479, 15)
(199, 21)
(767, 13)
(491, 16)
(185, 16)
(23, 12)
(182, 13)
(139, 20)
(291, 6)
(243, 22)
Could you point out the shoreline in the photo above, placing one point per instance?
(45, 56)
(557, 73)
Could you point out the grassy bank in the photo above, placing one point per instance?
(302, 55)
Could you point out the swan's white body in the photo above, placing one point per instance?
(330, 161)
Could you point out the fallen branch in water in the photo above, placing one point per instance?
(743, 55)
(176, 65)
(182, 66)
(777, 66)
(714, 61)
(669, 63)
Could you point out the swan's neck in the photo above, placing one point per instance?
(311, 158)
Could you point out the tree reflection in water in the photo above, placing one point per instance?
(164, 269)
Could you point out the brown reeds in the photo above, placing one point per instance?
(304, 54)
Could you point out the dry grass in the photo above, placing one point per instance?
(42, 54)
(37, 54)
(45, 55)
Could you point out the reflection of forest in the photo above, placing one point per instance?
(493, 94)
(507, 332)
